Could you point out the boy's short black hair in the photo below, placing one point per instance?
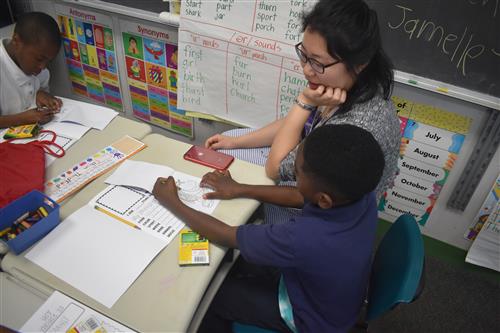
(35, 27)
(345, 158)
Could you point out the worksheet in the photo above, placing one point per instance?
(143, 175)
(61, 313)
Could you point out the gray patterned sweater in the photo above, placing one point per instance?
(378, 116)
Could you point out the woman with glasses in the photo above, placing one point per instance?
(350, 81)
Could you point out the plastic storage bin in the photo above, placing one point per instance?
(30, 202)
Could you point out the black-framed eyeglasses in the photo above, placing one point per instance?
(315, 65)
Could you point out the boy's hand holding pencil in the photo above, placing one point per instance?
(165, 191)
(45, 101)
(34, 116)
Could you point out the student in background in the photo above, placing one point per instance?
(24, 78)
(349, 82)
(321, 258)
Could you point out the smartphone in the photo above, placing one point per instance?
(208, 157)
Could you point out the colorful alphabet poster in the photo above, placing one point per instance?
(151, 62)
(89, 50)
(431, 142)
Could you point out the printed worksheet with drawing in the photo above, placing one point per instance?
(104, 246)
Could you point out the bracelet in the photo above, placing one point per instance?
(307, 107)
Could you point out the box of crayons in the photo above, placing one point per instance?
(26, 220)
(22, 132)
(193, 248)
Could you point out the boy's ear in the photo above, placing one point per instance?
(16, 40)
(324, 200)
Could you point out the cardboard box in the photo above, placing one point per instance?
(30, 202)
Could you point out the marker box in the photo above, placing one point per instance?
(30, 202)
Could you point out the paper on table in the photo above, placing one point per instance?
(141, 209)
(85, 114)
(138, 174)
(75, 131)
(67, 135)
(60, 313)
(96, 254)
(144, 175)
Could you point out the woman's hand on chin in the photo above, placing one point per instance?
(322, 95)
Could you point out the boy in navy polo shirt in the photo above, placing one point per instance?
(323, 255)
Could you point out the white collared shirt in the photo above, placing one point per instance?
(18, 90)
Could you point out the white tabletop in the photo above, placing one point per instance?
(165, 296)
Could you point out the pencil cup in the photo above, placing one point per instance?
(26, 220)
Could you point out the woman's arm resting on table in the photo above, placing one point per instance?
(262, 137)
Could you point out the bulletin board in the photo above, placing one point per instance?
(90, 55)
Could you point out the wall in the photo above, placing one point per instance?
(59, 84)
(444, 224)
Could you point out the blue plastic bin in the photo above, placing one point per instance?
(28, 203)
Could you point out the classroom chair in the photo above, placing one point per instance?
(397, 273)
(397, 270)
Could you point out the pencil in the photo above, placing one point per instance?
(116, 217)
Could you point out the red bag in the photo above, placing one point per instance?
(22, 166)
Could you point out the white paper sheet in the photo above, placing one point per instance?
(138, 174)
(96, 254)
(60, 313)
(86, 114)
(144, 175)
(75, 131)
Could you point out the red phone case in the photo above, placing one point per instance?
(208, 157)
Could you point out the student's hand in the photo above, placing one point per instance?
(46, 100)
(33, 116)
(219, 141)
(323, 96)
(165, 191)
(222, 183)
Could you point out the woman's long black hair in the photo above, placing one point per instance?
(352, 35)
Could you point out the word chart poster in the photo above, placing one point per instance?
(151, 62)
(237, 59)
(90, 54)
(431, 142)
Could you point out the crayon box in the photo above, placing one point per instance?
(14, 213)
(193, 248)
